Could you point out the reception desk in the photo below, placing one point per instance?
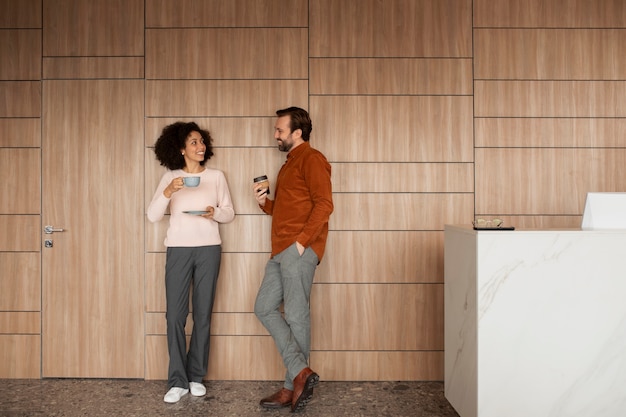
(535, 322)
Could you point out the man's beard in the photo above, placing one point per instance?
(284, 146)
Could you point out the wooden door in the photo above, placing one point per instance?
(92, 188)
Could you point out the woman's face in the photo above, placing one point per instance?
(194, 147)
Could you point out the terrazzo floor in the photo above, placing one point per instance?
(114, 397)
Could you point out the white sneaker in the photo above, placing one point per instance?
(197, 389)
(175, 394)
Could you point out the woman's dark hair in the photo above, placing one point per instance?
(168, 147)
(299, 120)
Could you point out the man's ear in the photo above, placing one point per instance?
(297, 133)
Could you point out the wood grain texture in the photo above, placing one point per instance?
(393, 128)
(20, 50)
(20, 286)
(20, 99)
(20, 356)
(238, 132)
(200, 98)
(382, 257)
(552, 14)
(378, 366)
(231, 13)
(20, 233)
(550, 98)
(386, 317)
(549, 54)
(379, 177)
(20, 133)
(400, 211)
(20, 168)
(219, 53)
(394, 28)
(93, 67)
(93, 188)
(20, 322)
(404, 76)
(93, 28)
(544, 181)
(550, 132)
(20, 14)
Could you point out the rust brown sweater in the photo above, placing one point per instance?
(302, 202)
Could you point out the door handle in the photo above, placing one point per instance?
(51, 229)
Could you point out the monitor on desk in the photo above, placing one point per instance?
(604, 211)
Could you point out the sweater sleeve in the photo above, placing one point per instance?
(224, 212)
(159, 203)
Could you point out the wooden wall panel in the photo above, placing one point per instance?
(229, 13)
(20, 356)
(93, 67)
(416, 311)
(20, 14)
(378, 366)
(394, 28)
(20, 133)
(239, 132)
(544, 181)
(550, 132)
(542, 14)
(550, 99)
(93, 28)
(22, 180)
(26, 322)
(405, 76)
(558, 54)
(400, 211)
(20, 233)
(393, 128)
(29, 102)
(223, 98)
(219, 53)
(349, 177)
(21, 54)
(382, 257)
(20, 286)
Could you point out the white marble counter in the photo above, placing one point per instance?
(535, 322)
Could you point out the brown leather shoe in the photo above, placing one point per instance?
(303, 386)
(279, 399)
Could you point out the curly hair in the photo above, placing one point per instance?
(299, 120)
(172, 141)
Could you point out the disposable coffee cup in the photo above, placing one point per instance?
(264, 183)
(191, 181)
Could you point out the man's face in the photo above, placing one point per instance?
(283, 134)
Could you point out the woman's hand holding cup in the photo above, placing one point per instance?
(175, 185)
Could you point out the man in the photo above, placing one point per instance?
(300, 211)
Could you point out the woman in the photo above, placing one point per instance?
(193, 248)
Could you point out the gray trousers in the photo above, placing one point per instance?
(184, 266)
(288, 279)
